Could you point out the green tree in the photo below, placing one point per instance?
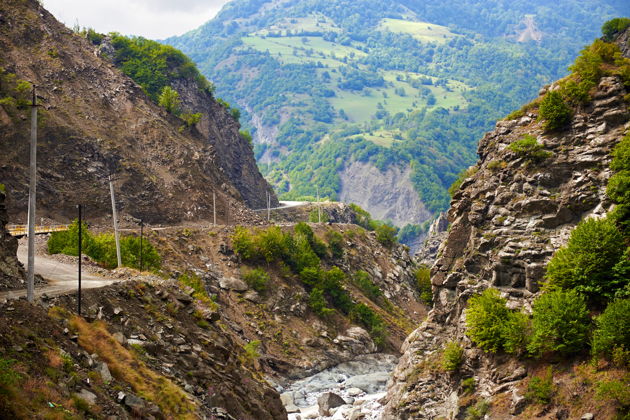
(555, 113)
(560, 323)
(169, 99)
(612, 329)
(386, 235)
(593, 262)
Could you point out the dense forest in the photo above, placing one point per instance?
(402, 82)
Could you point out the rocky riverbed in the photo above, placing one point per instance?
(350, 390)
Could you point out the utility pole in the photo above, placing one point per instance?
(214, 208)
(319, 209)
(141, 232)
(268, 206)
(32, 192)
(115, 217)
(80, 252)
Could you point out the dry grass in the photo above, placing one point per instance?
(126, 367)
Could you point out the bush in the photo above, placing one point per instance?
(614, 27)
(593, 262)
(243, 243)
(335, 243)
(386, 235)
(554, 111)
(612, 330)
(271, 244)
(492, 326)
(169, 100)
(251, 351)
(469, 385)
(616, 390)
(529, 149)
(618, 188)
(371, 320)
(452, 356)
(423, 282)
(316, 244)
(191, 119)
(560, 323)
(367, 286)
(102, 248)
(318, 304)
(477, 411)
(540, 389)
(257, 279)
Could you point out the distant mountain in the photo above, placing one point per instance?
(382, 103)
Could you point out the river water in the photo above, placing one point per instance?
(361, 383)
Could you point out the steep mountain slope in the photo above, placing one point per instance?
(11, 272)
(403, 87)
(95, 121)
(507, 220)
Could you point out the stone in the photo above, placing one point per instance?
(118, 336)
(134, 403)
(354, 392)
(329, 400)
(232, 283)
(356, 414)
(252, 296)
(87, 396)
(588, 416)
(519, 402)
(104, 371)
(368, 383)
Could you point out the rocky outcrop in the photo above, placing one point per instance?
(12, 273)
(94, 120)
(506, 222)
(387, 195)
(427, 253)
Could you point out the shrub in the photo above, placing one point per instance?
(616, 390)
(484, 319)
(614, 27)
(371, 320)
(477, 411)
(318, 304)
(554, 111)
(496, 165)
(423, 282)
(102, 248)
(191, 119)
(386, 235)
(251, 351)
(540, 389)
(246, 135)
(257, 279)
(560, 323)
(8, 375)
(169, 100)
(529, 148)
(612, 330)
(315, 243)
(469, 385)
(618, 188)
(452, 356)
(243, 243)
(593, 262)
(271, 244)
(367, 286)
(516, 333)
(335, 243)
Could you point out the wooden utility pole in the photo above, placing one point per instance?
(115, 217)
(80, 252)
(319, 209)
(268, 206)
(32, 193)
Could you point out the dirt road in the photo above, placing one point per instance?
(62, 277)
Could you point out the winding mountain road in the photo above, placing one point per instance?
(62, 277)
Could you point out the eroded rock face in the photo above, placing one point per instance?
(12, 273)
(506, 222)
(386, 195)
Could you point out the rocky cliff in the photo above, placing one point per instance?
(11, 271)
(506, 222)
(94, 120)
